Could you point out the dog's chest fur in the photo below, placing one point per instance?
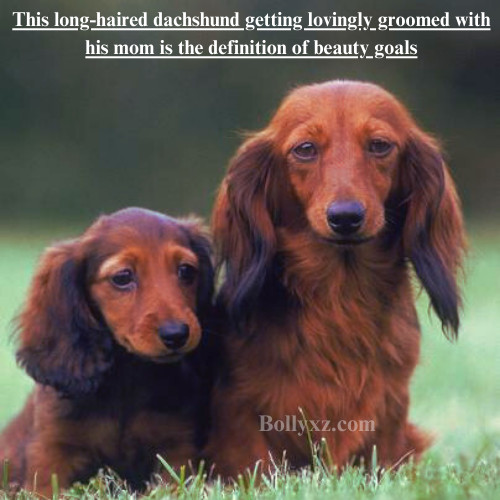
(345, 351)
(140, 411)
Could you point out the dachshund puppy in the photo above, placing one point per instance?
(319, 221)
(106, 331)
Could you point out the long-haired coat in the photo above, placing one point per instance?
(106, 331)
(319, 221)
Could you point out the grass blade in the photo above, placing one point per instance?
(55, 486)
(5, 475)
(170, 470)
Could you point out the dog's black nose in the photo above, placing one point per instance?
(174, 334)
(345, 217)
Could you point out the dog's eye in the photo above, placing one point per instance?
(123, 279)
(305, 151)
(187, 273)
(379, 147)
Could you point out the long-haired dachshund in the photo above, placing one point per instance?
(106, 331)
(319, 221)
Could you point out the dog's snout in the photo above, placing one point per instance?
(345, 217)
(174, 334)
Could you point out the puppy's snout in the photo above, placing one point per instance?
(345, 217)
(174, 334)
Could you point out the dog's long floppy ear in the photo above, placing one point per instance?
(244, 223)
(433, 233)
(61, 341)
(199, 239)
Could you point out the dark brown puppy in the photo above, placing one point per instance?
(318, 222)
(106, 331)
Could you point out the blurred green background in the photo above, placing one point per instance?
(81, 137)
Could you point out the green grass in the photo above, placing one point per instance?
(455, 394)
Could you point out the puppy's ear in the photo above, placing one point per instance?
(244, 223)
(433, 233)
(201, 244)
(62, 343)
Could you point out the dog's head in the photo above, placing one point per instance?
(345, 162)
(136, 278)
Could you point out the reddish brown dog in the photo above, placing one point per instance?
(106, 331)
(318, 223)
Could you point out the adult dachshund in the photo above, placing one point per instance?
(105, 332)
(318, 223)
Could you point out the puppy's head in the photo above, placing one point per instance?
(135, 278)
(345, 163)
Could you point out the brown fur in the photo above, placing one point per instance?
(109, 392)
(318, 323)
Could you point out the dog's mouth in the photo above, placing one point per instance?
(349, 242)
(168, 358)
(172, 357)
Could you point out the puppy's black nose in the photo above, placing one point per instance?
(345, 217)
(174, 334)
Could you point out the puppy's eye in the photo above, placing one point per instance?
(380, 147)
(123, 279)
(187, 273)
(305, 151)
